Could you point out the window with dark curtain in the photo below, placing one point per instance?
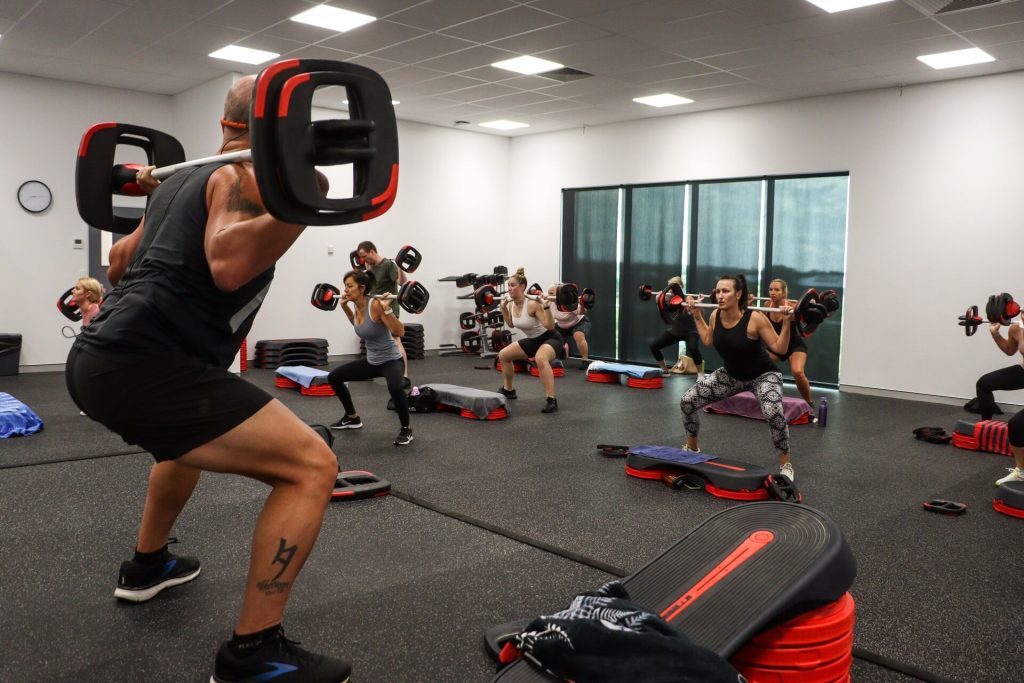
(653, 240)
(727, 233)
(590, 220)
(808, 249)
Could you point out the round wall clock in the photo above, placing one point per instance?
(35, 196)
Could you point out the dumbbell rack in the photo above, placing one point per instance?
(483, 323)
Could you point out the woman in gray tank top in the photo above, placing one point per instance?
(374, 323)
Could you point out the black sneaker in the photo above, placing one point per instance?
(348, 423)
(584, 364)
(507, 393)
(138, 582)
(404, 437)
(279, 660)
(550, 406)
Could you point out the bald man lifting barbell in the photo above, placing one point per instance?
(189, 281)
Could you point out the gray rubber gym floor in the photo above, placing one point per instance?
(492, 521)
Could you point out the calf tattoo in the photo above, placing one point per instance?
(285, 554)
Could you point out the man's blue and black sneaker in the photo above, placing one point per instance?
(138, 582)
(275, 659)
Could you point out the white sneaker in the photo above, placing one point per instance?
(787, 470)
(1016, 474)
(690, 450)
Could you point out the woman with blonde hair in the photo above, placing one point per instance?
(796, 354)
(87, 293)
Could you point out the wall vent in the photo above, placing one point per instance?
(940, 7)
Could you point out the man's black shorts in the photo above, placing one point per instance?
(167, 404)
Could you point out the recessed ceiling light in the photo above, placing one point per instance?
(832, 6)
(946, 60)
(528, 65)
(502, 124)
(333, 18)
(247, 55)
(663, 100)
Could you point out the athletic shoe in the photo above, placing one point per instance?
(1015, 474)
(690, 450)
(404, 437)
(507, 393)
(550, 406)
(347, 422)
(787, 470)
(584, 364)
(277, 660)
(138, 582)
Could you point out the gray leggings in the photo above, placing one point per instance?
(719, 385)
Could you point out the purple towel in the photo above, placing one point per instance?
(671, 454)
(745, 404)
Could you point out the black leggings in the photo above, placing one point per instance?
(1016, 430)
(692, 340)
(1007, 379)
(391, 371)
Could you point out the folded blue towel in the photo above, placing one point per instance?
(16, 418)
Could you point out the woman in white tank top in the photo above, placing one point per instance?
(542, 342)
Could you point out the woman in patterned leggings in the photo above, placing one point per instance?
(743, 338)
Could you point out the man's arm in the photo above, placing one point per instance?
(121, 253)
(242, 239)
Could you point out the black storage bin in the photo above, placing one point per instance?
(10, 354)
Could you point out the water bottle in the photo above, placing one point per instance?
(822, 411)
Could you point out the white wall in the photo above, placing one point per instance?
(451, 205)
(42, 122)
(933, 226)
(934, 218)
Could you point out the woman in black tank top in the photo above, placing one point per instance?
(796, 353)
(743, 338)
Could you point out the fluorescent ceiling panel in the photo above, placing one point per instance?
(832, 6)
(663, 100)
(502, 124)
(528, 65)
(332, 18)
(235, 53)
(947, 60)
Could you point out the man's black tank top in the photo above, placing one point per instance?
(166, 299)
(744, 358)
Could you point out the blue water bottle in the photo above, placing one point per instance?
(822, 411)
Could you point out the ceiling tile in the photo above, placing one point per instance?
(519, 19)
(77, 16)
(370, 37)
(16, 9)
(439, 86)
(204, 39)
(421, 48)
(550, 38)
(484, 91)
(575, 9)
(40, 40)
(438, 14)
(142, 26)
(254, 15)
(994, 35)
(771, 54)
(320, 52)
(679, 69)
(651, 13)
(473, 58)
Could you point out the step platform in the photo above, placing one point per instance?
(744, 570)
(637, 376)
(991, 436)
(721, 477)
(1009, 499)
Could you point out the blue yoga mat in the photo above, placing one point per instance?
(671, 454)
(16, 418)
